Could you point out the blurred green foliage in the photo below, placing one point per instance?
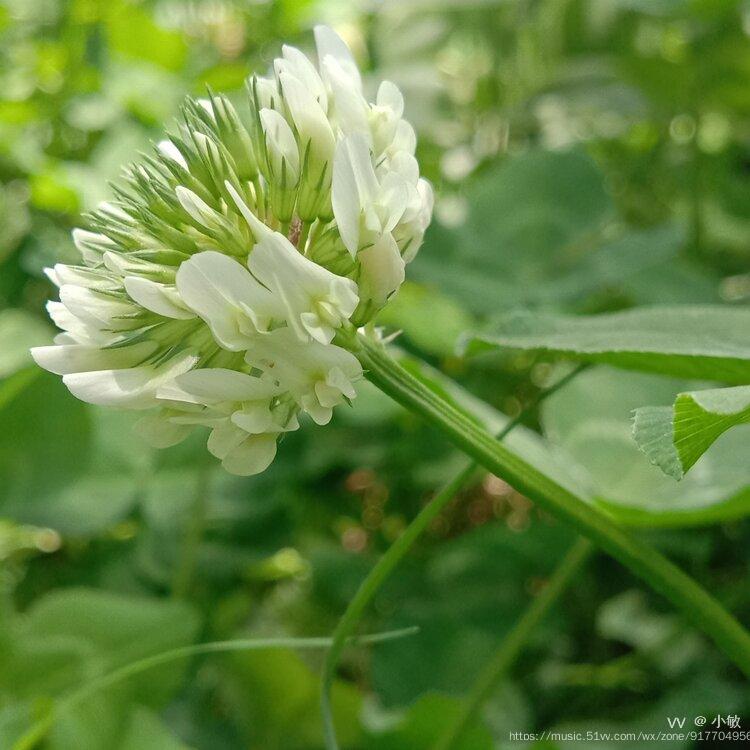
(588, 155)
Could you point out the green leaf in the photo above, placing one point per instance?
(146, 731)
(704, 694)
(709, 342)
(535, 234)
(96, 726)
(453, 646)
(116, 629)
(424, 723)
(75, 635)
(19, 331)
(521, 440)
(91, 504)
(44, 445)
(99, 725)
(71, 717)
(94, 468)
(49, 663)
(658, 636)
(604, 265)
(523, 219)
(674, 438)
(276, 694)
(591, 421)
(654, 7)
(589, 426)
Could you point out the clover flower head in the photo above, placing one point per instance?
(218, 286)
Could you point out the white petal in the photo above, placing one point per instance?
(350, 109)
(197, 208)
(170, 151)
(202, 415)
(428, 200)
(280, 351)
(159, 298)
(382, 269)
(178, 397)
(252, 456)
(328, 396)
(92, 245)
(274, 259)
(301, 283)
(216, 384)
(330, 44)
(63, 359)
(405, 138)
(78, 330)
(224, 438)
(311, 326)
(266, 91)
(300, 66)
(320, 414)
(101, 310)
(51, 274)
(406, 165)
(300, 367)
(222, 292)
(338, 379)
(390, 96)
(344, 295)
(415, 231)
(132, 388)
(334, 356)
(86, 277)
(254, 418)
(309, 117)
(355, 187)
(345, 199)
(361, 161)
(160, 432)
(394, 198)
(281, 144)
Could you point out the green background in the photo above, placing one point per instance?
(587, 155)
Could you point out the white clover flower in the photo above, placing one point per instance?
(220, 288)
(246, 414)
(318, 377)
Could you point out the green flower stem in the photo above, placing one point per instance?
(40, 729)
(396, 552)
(514, 642)
(705, 612)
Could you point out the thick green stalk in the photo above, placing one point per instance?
(702, 609)
(390, 560)
(514, 642)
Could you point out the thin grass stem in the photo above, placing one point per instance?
(515, 641)
(396, 552)
(41, 727)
